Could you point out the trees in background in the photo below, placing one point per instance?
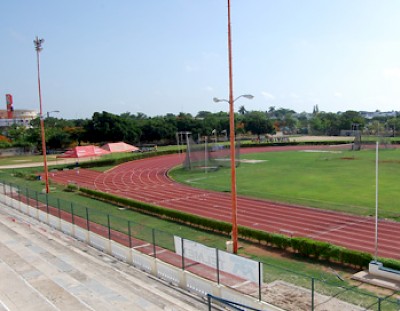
(141, 129)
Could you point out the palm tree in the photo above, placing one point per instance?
(242, 110)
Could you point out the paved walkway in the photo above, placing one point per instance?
(42, 269)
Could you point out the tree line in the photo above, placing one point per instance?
(140, 129)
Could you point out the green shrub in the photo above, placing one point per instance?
(71, 188)
(355, 258)
(303, 246)
(116, 161)
(390, 263)
(174, 215)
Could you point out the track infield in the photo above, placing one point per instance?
(146, 180)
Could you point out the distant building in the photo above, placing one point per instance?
(21, 117)
(378, 114)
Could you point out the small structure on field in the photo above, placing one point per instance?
(83, 152)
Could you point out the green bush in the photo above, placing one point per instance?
(303, 246)
(116, 161)
(355, 258)
(174, 215)
(71, 188)
(390, 263)
(307, 247)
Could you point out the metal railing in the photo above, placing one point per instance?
(162, 245)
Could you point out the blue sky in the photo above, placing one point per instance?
(160, 56)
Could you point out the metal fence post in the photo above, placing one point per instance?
(217, 253)
(27, 197)
(312, 294)
(37, 200)
(379, 303)
(259, 281)
(183, 254)
(72, 214)
(47, 203)
(58, 207)
(209, 302)
(153, 234)
(108, 226)
(19, 196)
(129, 234)
(87, 219)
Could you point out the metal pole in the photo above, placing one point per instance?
(47, 203)
(27, 197)
(217, 266)
(108, 224)
(183, 254)
(37, 200)
(153, 235)
(312, 294)
(205, 155)
(87, 219)
(232, 138)
(376, 201)
(59, 209)
(188, 150)
(259, 281)
(19, 196)
(72, 214)
(129, 234)
(38, 46)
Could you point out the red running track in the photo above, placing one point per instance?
(146, 180)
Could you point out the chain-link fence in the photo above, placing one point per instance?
(270, 283)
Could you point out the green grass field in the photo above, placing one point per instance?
(341, 180)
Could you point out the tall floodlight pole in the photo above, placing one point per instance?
(376, 200)
(233, 164)
(232, 138)
(38, 47)
(231, 102)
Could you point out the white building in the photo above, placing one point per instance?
(21, 117)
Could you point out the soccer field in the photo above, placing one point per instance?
(340, 180)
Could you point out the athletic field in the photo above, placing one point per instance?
(330, 178)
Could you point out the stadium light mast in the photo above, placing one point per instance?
(38, 47)
(48, 112)
(232, 134)
(233, 164)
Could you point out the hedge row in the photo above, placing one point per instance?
(302, 246)
(294, 143)
(116, 161)
(178, 216)
(310, 248)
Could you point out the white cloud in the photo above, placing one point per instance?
(338, 94)
(267, 96)
(209, 88)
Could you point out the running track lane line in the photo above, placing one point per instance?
(144, 187)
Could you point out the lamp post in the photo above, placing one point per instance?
(38, 47)
(233, 166)
(48, 112)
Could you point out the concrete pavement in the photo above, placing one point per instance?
(43, 269)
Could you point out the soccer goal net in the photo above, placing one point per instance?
(209, 156)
